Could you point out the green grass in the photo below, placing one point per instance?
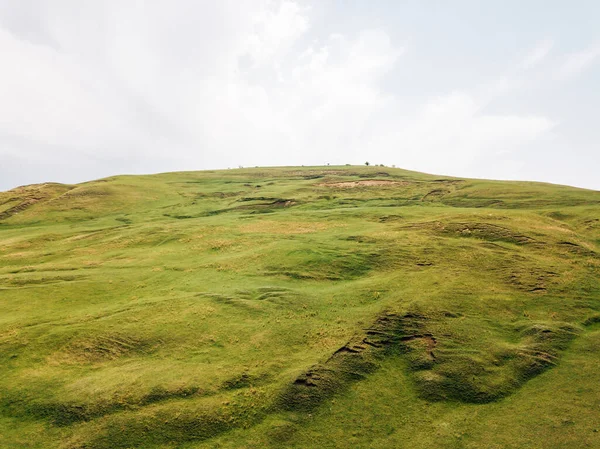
(299, 307)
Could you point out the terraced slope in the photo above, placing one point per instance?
(339, 307)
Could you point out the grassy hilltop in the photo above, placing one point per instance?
(325, 307)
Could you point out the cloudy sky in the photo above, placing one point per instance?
(505, 90)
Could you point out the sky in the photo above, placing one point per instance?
(501, 90)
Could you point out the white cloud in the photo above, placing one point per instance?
(578, 62)
(147, 87)
(276, 28)
(537, 54)
(449, 133)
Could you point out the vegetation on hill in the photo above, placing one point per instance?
(330, 307)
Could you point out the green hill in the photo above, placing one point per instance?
(304, 307)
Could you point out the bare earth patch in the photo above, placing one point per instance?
(362, 183)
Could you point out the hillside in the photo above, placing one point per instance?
(329, 307)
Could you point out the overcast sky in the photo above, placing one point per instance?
(505, 90)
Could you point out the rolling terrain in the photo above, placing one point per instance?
(299, 307)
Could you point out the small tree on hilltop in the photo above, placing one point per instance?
(367, 164)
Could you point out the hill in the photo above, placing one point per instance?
(330, 307)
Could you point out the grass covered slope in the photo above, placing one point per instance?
(337, 307)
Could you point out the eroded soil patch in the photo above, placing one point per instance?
(355, 360)
(442, 366)
(484, 231)
(362, 183)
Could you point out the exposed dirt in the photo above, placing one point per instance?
(356, 359)
(315, 174)
(577, 249)
(485, 231)
(390, 218)
(593, 223)
(266, 203)
(435, 195)
(18, 208)
(27, 196)
(365, 183)
(440, 374)
(252, 207)
(532, 280)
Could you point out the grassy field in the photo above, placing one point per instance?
(300, 307)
